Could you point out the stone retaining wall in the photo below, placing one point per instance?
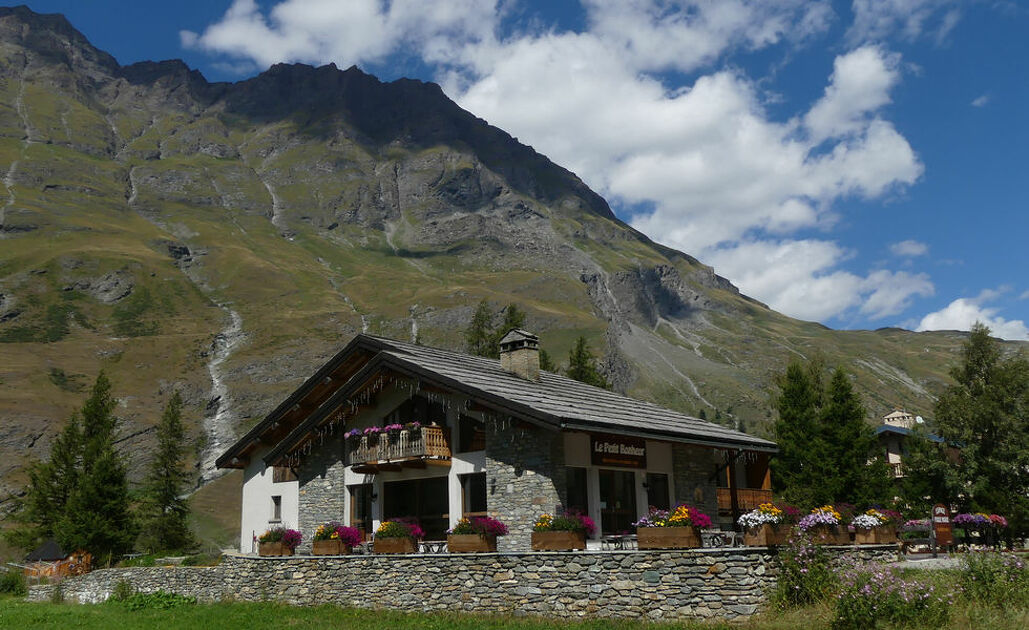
(630, 584)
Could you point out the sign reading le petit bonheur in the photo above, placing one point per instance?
(618, 450)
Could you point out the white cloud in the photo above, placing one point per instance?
(727, 181)
(981, 101)
(1024, 296)
(909, 248)
(877, 20)
(963, 312)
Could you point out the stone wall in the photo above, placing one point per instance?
(322, 486)
(525, 477)
(705, 583)
(693, 467)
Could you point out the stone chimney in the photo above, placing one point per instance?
(520, 354)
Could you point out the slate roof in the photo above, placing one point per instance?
(49, 551)
(889, 428)
(555, 401)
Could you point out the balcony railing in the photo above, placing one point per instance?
(747, 499)
(897, 470)
(390, 451)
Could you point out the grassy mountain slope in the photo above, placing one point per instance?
(227, 238)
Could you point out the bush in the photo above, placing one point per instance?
(874, 593)
(148, 560)
(202, 560)
(160, 600)
(122, 591)
(57, 595)
(13, 583)
(995, 579)
(805, 575)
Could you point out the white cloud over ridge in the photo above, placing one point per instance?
(963, 312)
(727, 182)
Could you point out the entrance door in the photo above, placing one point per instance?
(617, 501)
(425, 500)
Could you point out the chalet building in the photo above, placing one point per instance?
(893, 433)
(501, 438)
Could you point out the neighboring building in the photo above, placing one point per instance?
(892, 433)
(497, 437)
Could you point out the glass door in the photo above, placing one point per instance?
(617, 501)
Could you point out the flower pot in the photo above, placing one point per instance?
(401, 544)
(766, 535)
(829, 535)
(471, 543)
(667, 537)
(331, 547)
(558, 541)
(882, 535)
(274, 549)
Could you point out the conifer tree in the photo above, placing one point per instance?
(546, 363)
(797, 468)
(166, 518)
(583, 367)
(479, 334)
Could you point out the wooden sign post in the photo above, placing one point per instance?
(941, 527)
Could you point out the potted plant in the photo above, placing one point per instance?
(393, 431)
(823, 524)
(561, 533)
(875, 527)
(475, 534)
(278, 541)
(397, 536)
(768, 524)
(334, 539)
(372, 434)
(353, 435)
(677, 529)
(414, 429)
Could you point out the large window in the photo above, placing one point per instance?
(472, 435)
(361, 508)
(577, 497)
(419, 409)
(657, 491)
(425, 500)
(473, 494)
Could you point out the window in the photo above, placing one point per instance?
(425, 500)
(361, 507)
(282, 474)
(657, 491)
(473, 494)
(276, 509)
(472, 435)
(577, 499)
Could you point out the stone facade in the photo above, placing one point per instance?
(322, 486)
(693, 468)
(705, 583)
(525, 477)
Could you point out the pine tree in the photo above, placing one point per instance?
(986, 411)
(797, 469)
(546, 363)
(479, 334)
(583, 367)
(98, 517)
(929, 477)
(166, 516)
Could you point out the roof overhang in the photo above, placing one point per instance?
(667, 436)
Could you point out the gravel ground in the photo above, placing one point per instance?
(929, 563)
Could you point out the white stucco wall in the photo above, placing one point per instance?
(258, 490)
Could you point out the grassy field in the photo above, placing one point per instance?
(18, 614)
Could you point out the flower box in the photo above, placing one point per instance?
(558, 541)
(329, 548)
(471, 543)
(274, 549)
(827, 535)
(882, 535)
(667, 537)
(400, 544)
(766, 535)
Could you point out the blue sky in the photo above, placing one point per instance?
(861, 163)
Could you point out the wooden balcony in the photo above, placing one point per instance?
(897, 470)
(747, 498)
(413, 449)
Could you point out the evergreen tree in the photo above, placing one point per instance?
(929, 477)
(546, 363)
(97, 517)
(583, 367)
(479, 334)
(166, 518)
(514, 317)
(986, 412)
(798, 467)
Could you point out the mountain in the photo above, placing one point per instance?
(226, 239)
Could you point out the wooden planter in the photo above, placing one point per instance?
(883, 535)
(403, 544)
(274, 549)
(331, 547)
(667, 537)
(766, 535)
(825, 535)
(558, 541)
(471, 543)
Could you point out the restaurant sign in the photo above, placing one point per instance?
(618, 450)
(941, 525)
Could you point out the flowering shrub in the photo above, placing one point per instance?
(805, 576)
(823, 516)
(871, 594)
(393, 428)
(332, 530)
(572, 522)
(289, 537)
(916, 525)
(764, 514)
(870, 520)
(997, 579)
(481, 525)
(372, 431)
(681, 516)
(399, 528)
